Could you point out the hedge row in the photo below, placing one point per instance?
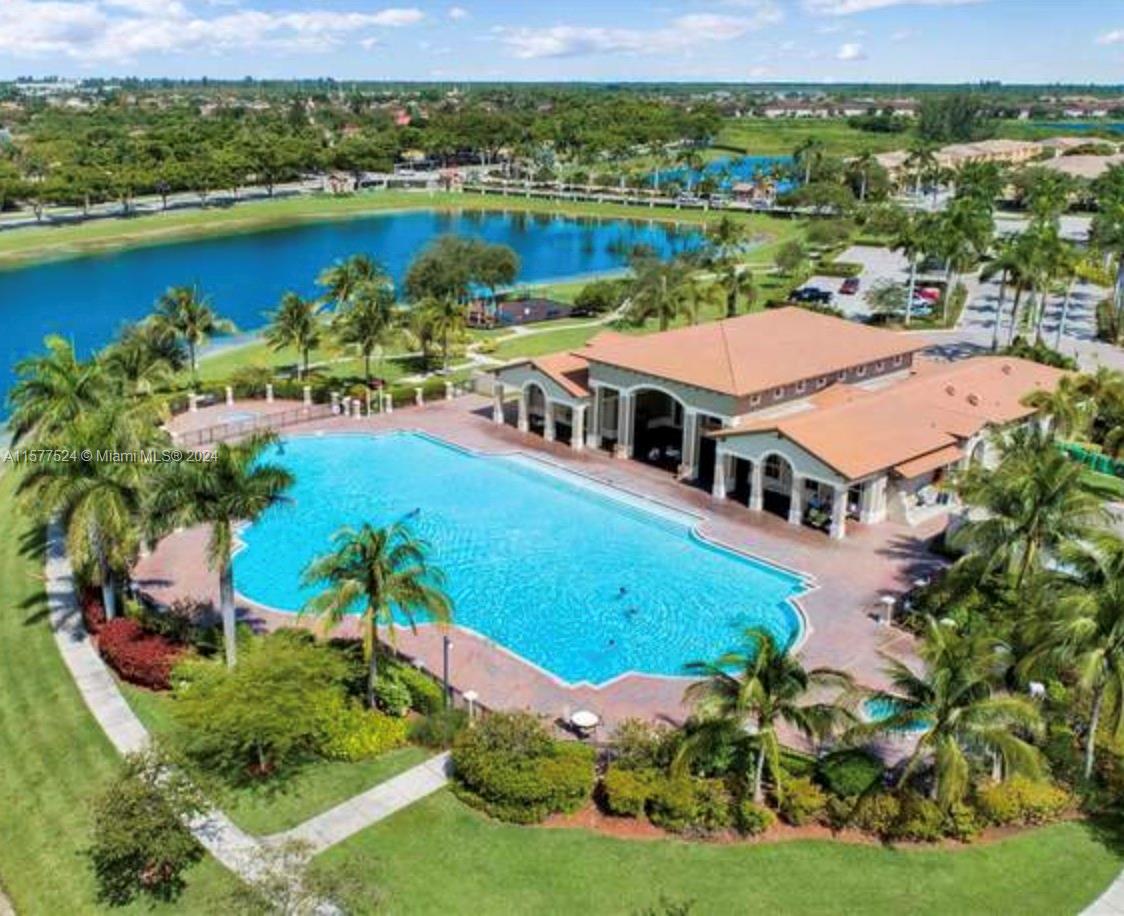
(827, 268)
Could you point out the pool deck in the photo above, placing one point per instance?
(842, 632)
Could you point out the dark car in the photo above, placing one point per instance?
(811, 294)
(850, 286)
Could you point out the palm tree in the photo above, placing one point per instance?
(746, 694)
(1069, 267)
(343, 279)
(237, 485)
(98, 503)
(295, 323)
(920, 161)
(365, 321)
(697, 294)
(1035, 500)
(387, 571)
(955, 712)
(1088, 632)
(964, 231)
(1069, 410)
(657, 291)
(188, 314)
(808, 155)
(914, 240)
(445, 318)
(144, 359)
(736, 281)
(53, 390)
(1007, 264)
(862, 165)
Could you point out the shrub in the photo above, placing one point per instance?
(626, 792)
(829, 231)
(918, 819)
(93, 611)
(140, 844)
(849, 773)
(838, 812)
(752, 819)
(439, 729)
(426, 695)
(641, 745)
(392, 695)
(713, 806)
(349, 731)
(802, 802)
(876, 814)
(960, 823)
(683, 804)
(827, 268)
(509, 766)
(1020, 800)
(141, 658)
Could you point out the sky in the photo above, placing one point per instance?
(885, 41)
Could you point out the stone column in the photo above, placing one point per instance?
(388, 402)
(593, 436)
(838, 528)
(548, 420)
(688, 469)
(718, 490)
(193, 402)
(307, 395)
(577, 427)
(524, 421)
(624, 425)
(335, 402)
(756, 486)
(796, 505)
(229, 396)
(269, 393)
(497, 403)
(419, 397)
(872, 502)
(448, 391)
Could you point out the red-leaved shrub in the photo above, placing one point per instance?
(141, 658)
(93, 611)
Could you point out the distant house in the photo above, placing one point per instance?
(483, 313)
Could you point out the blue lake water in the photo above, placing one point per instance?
(549, 566)
(87, 299)
(730, 171)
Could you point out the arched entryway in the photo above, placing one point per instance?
(657, 429)
(536, 408)
(776, 484)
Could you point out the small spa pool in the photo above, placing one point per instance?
(580, 580)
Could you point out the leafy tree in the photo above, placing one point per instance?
(791, 258)
(186, 313)
(140, 844)
(745, 695)
(383, 572)
(53, 390)
(951, 118)
(295, 323)
(237, 485)
(600, 296)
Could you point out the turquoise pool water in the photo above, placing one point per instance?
(551, 567)
(878, 710)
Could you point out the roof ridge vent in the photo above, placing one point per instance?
(950, 390)
(974, 400)
(1007, 369)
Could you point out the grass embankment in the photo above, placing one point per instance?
(53, 755)
(274, 807)
(438, 856)
(40, 243)
(780, 136)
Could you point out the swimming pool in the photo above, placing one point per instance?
(581, 582)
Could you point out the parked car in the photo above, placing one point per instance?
(929, 293)
(811, 294)
(850, 286)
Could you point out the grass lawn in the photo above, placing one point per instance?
(780, 136)
(275, 807)
(41, 243)
(438, 856)
(53, 756)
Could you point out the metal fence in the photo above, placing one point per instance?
(236, 429)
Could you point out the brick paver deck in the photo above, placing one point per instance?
(851, 575)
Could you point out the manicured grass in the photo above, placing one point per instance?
(53, 755)
(47, 242)
(780, 136)
(276, 806)
(438, 856)
(550, 341)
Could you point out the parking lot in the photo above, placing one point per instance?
(879, 264)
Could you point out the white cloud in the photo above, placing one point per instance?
(850, 51)
(681, 34)
(902, 35)
(847, 7)
(457, 12)
(124, 29)
(1115, 37)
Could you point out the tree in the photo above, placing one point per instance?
(808, 156)
(384, 572)
(366, 321)
(863, 166)
(237, 485)
(1007, 264)
(657, 291)
(920, 162)
(744, 695)
(950, 118)
(53, 390)
(736, 282)
(445, 318)
(955, 712)
(344, 278)
(185, 312)
(143, 359)
(915, 239)
(791, 257)
(140, 843)
(295, 323)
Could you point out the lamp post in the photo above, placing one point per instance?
(447, 645)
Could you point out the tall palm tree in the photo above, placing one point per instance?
(446, 318)
(697, 294)
(808, 156)
(52, 390)
(736, 282)
(862, 165)
(920, 161)
(915, 239)
(295, 323)
(1007, 264)
(1068, 409)
(143, 359)
(343, 279)
(366, 321)
(97, 502)
(1088, 631)
(746, 694)
(955, 711)
(238, 485)
(385, 572)
(657, 290)
(1035, 500)
(188, 314)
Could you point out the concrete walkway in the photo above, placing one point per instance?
(353, 815)
(1111, 902)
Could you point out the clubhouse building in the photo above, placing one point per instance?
(813, 418)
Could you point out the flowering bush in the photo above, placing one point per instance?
(141, 658)
(802, 802)
(1020, 800)
(351, 732)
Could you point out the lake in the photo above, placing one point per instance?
(87, 299)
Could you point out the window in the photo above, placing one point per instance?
(773, 467)
(861, 371)
(897, 360)
(821, 381)
(843, 375)
(879, 366)
(754, 400)
(800, 386)
(778, 394)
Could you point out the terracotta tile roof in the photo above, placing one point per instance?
(752, 353)
(942, 457)
(568, 370)
(937, 408)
